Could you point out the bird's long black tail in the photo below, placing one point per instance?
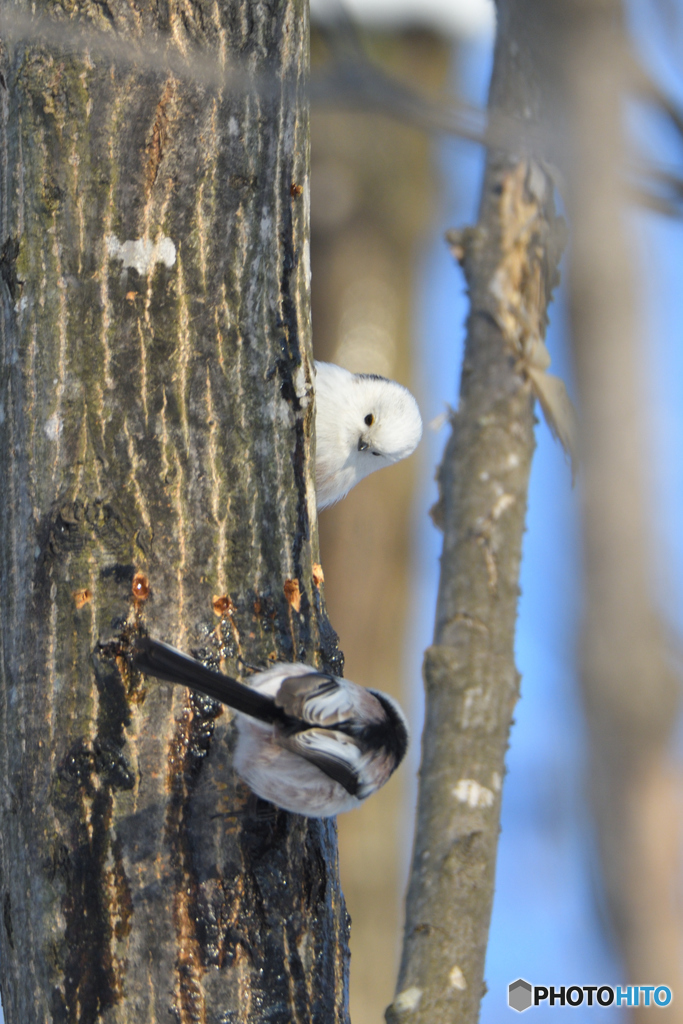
(158, 659)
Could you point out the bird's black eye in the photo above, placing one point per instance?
(369, 419)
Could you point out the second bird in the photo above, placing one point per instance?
(363, 422)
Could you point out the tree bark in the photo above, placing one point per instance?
(510, 261)
(155, 452)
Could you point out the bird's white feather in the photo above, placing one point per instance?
(285, 778)
(363, 422)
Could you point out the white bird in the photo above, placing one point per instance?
(307, 741)
(363, 422)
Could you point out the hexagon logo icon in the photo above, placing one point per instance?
(519, 995)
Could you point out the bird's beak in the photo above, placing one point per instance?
(362, 445)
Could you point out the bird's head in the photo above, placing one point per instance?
(386, 421)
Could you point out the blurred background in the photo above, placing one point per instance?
(388, 298)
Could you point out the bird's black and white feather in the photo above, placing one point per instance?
(363, 422)
(308, 742)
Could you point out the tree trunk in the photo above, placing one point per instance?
(510, 260)
(155, 454)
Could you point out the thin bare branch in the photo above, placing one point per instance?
(643, 84)
(510, 260)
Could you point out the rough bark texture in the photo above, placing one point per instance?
(510, 260)
(155, 455)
